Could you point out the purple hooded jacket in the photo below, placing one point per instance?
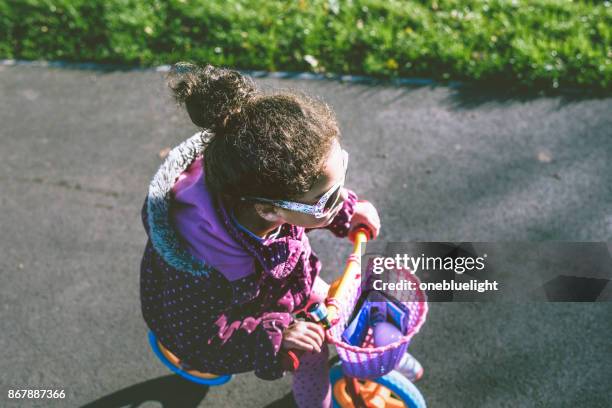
(214, 294)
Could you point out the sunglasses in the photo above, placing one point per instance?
(326, 204)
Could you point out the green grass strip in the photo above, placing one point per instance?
(544, 44)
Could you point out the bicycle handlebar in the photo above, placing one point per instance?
(358, 235)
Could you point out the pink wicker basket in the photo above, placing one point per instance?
(368, 361)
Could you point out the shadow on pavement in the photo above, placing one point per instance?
(467, 96)
(170, 391)
(286, 402)
(472, 96)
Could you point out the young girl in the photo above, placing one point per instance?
(228, 262)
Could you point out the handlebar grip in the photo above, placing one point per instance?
(291, 360)
(360, 228)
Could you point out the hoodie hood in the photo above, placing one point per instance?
(193, 232)
(194, 215)
(184, 227)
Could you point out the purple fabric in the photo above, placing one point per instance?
(232, 320)
(193, 214)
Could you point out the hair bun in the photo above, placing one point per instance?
(210, 94)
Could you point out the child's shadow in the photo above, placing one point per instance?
(286, 402)
(170, 391)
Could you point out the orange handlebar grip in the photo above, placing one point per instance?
(291, 360)
(360, 229)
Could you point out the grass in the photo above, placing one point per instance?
(544, 45)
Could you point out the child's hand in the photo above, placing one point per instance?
(366, 214)
(307, 336)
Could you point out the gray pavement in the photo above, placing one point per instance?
(78, 149)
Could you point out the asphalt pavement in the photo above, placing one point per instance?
(78, 148)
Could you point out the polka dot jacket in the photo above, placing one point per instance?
(212, 323)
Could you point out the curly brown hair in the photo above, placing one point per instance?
(262, 145)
